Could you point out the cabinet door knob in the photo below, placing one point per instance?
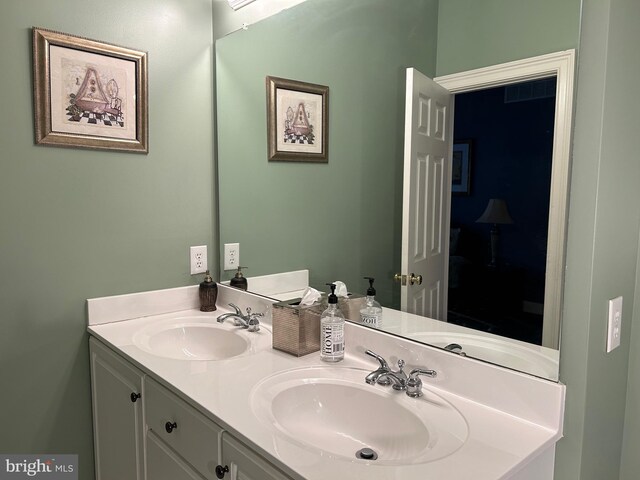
(220, 470)
(170, 427)
(135, 396)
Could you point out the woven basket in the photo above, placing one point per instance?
(296, 328)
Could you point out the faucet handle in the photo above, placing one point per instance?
(414, 383)
(383, 362)
(236, 308)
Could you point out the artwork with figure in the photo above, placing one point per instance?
(88, 94)
(297, 126)
(92, 94)
(299, 113)
(96, 98)
(297, 116)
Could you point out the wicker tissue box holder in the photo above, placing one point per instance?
(296, 328)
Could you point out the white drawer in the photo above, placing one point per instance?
(193, 436)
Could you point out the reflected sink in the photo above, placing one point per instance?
(528, 358)
(199, 338)
(333, 410)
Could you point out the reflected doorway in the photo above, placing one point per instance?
(502, 168)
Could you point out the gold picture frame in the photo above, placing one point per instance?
(89, 94)
(297, 121)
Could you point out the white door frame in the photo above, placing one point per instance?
(562, 66)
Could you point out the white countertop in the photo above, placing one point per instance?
(506, 429)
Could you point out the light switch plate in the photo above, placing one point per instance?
(614, 325)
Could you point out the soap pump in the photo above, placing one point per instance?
(332, 330)
(208, 293)
(239, 281)
(371, 312)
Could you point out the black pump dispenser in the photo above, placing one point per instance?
(332, 330)
(208, 293)
(239, 281)
(371, 292)
(333, 298)
(371, 311)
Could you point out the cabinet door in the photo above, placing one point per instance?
(244, 464)
(182, 428)
(164, 464)
(117, 418)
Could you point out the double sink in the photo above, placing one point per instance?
(328, 410)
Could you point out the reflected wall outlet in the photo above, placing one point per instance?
(614, 327)
(198, 257)
(231, 256)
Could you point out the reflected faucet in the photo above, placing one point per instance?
(249, 321)
(455, 348)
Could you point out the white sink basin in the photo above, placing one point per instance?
(333, 410)
(505, 352)
(199, 338)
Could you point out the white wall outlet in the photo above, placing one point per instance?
(614, 326)
(231, 256)
(198, 257)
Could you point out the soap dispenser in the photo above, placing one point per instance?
(239, 281)
(332, 330)
(371, 312)
(208, 293)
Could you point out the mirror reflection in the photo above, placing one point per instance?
(342, 220)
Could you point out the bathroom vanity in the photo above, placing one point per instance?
(178, 395)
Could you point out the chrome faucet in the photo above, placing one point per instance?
(374, 377)
(385, 376)
(398, 380)
(249, 321)
(414, 383)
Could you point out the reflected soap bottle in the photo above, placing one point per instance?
(332, 330)
(371, 312)
(239, 280)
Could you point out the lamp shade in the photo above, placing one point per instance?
(496, 212)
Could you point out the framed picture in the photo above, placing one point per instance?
(297, 121)
(461, 168)
(89, 94)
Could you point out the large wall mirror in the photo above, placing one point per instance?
(342, 220)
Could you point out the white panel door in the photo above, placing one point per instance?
(426, 196)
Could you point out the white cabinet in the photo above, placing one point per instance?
(133, 414)
(244, 464)
(164, 464)
(117, 416)
(182, 428)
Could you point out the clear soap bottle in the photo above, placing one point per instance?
(371, 312)
(332, 330)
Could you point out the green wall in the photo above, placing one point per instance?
(619, 228)
(602, 243)
(473, 34)
(78, 224)
(340, 219)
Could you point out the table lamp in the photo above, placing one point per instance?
(496, 213)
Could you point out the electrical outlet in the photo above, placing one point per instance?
(198, 257)
(231, 256)
(614, 326)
